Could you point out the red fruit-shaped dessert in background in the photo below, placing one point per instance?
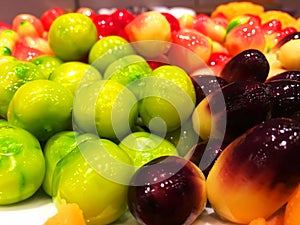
(217, 61)
(5, 26)
(50, 15)
(25, 53)
(251, 19)
(245, 36)
(167, 190)
(155, 64)
(250, 64)
(186, 21)
(271, 29)
(220, 19)
(158, 61)
(271, 26)
(275, 36)
(38, 43)
(256, 174)
(28, 25)
(105, 25)
(287, 37)
(190, 50)
(89, 12)
(204, 24)
(122, 17)
(286, 32)
(174, 23)
(150, 34)
(122, 33)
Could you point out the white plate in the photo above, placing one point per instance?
(37, 209)
(33, 211)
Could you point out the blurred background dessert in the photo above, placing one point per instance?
(13, 7)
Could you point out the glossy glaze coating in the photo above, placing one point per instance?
(286, 94)
(259, 170)
(250, 64)
(168, 190)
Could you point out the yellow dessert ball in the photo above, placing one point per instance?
(289, 55)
